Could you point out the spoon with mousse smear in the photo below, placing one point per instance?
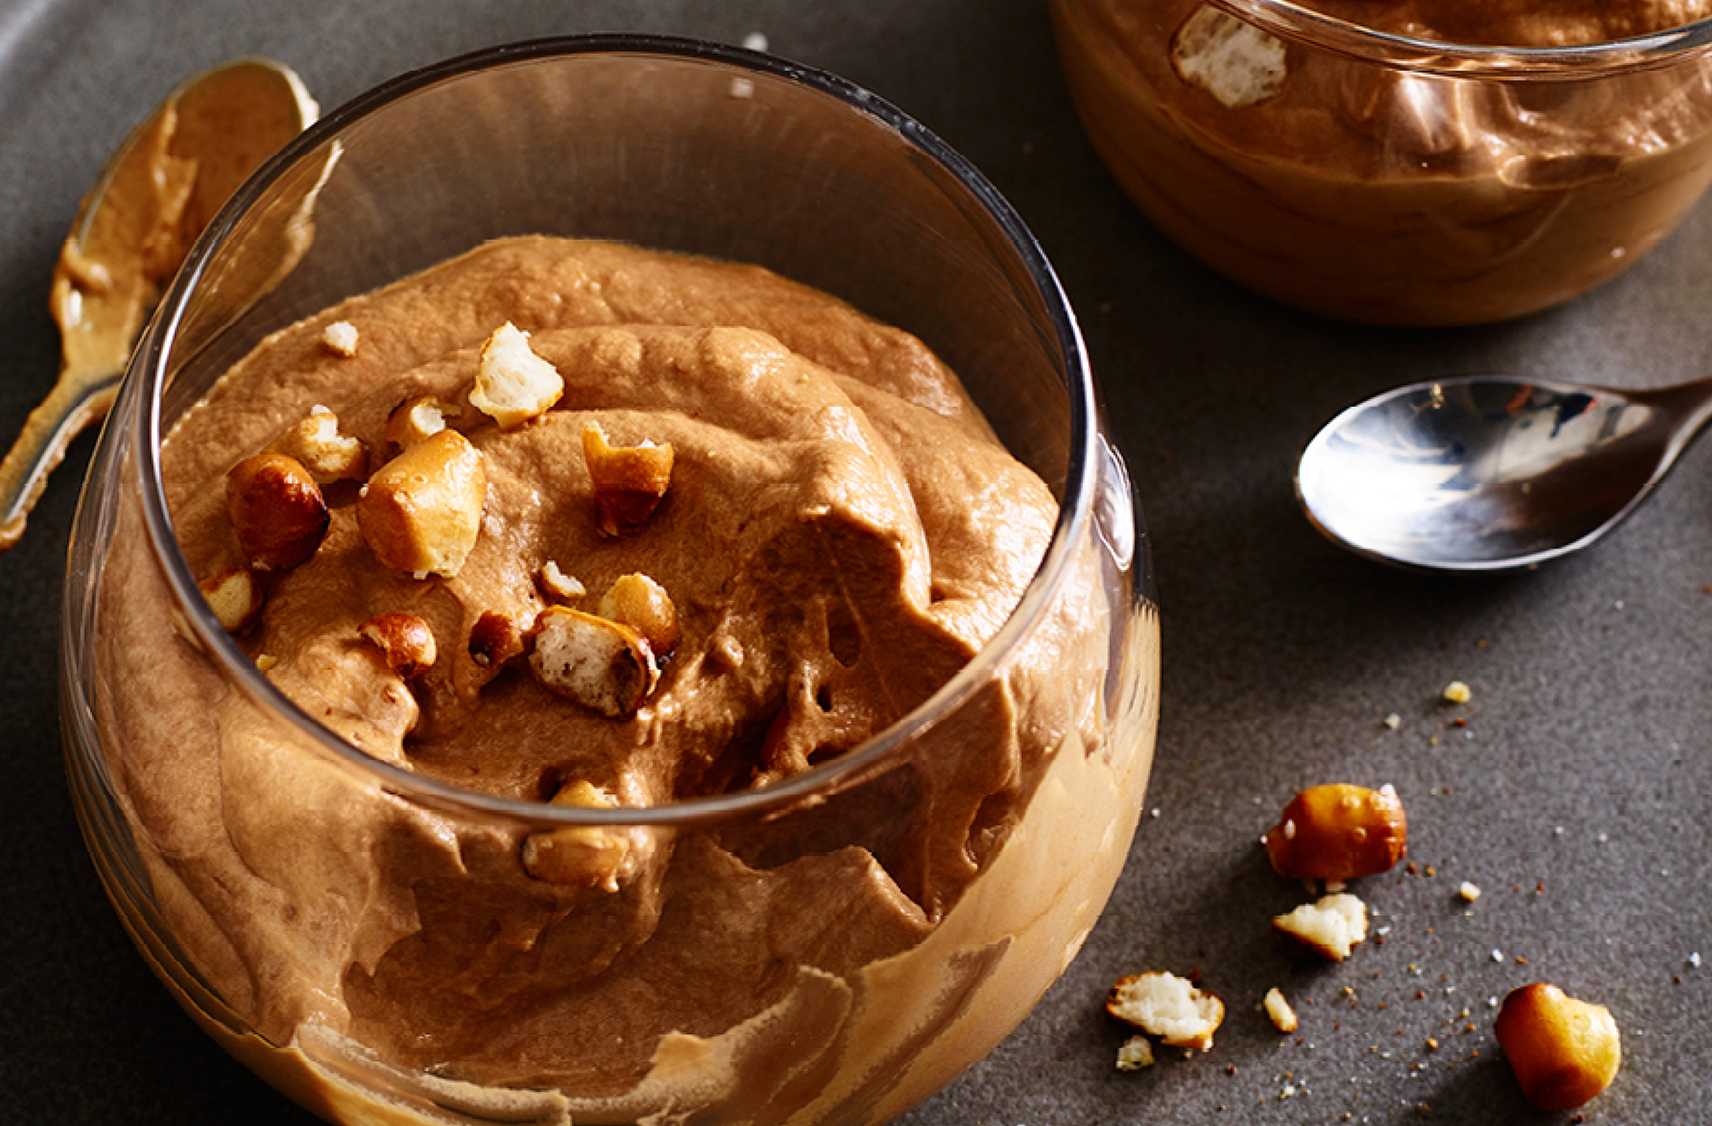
(132, 232)
(1491, 473)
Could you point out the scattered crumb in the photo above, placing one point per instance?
(1456, 692)
(1468, 892)
(1393, 721)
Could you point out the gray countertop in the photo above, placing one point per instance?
(1578, 796)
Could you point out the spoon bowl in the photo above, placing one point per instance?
(1492, 473)
(132, 232)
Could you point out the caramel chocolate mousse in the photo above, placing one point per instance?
(632, 529)
(1360, 189)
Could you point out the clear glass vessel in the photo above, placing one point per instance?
(1385, 177)
(271, 872)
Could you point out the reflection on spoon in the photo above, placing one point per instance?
(132, 232)
(1489, 473)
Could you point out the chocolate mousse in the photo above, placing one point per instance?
(629, 530)
(1379, 194)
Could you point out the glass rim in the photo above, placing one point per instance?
(1472, 61)
(1075, 511)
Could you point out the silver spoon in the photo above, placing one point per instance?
(1490, 473)
(132, 232)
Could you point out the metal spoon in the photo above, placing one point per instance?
(132, 232)
(1489, 473)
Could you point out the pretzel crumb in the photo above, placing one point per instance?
(1135, 1054)
(340, 338)
(1278, 1011)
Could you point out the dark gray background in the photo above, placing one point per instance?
(1583, 770)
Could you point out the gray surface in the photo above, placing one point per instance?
(1583, 768)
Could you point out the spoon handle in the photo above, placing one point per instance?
(1689, 405)
(77, 400)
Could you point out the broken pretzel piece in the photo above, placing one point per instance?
(277, 510)
(495, 639)
(417, 418)
(1232, 60)
(404, 640)
(235, 596)
(1169, 1007)
(578, 856)
(1564, 1051)
(513, 384)
(629, 481)
(1338, 832)
(556, 584)
(341, 338)
(1334, 926)
(600, 663)
(422, 511)
(322, 448)
(643, 604)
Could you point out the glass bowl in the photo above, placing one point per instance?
(832, 947)
(1388, 175)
